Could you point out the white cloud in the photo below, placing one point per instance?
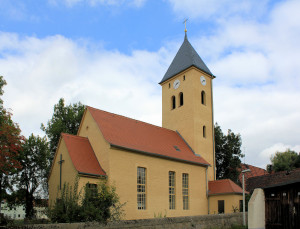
(40, 71)
(278, 147)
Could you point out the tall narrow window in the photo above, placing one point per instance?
(180, 98)
(203, 98)
(92, 189)
(204, 131)
(141, 188)
(221, 206)
(185, 190)
(173, 102)
(171, 190)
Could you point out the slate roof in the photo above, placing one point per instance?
(274, 180)
(225, 186)
(185, 58)
(141, 137)
(255, 171)
(82, 155)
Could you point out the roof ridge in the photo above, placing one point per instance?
(75, 136)
(150, 124)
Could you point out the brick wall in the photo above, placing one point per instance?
(204, 222)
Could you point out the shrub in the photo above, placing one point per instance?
(101, 205)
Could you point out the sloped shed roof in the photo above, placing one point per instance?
(274, 179)
(82, 155)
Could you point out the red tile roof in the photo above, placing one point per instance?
(254, 171)
(225, 186)
(82, 155)
(142, 137)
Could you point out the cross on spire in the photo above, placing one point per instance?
(60, 165)
(185, 20)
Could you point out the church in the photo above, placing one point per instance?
(168, 170)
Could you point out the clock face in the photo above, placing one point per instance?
(203, 80)
(176, 84)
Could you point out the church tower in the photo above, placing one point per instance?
(187, 102)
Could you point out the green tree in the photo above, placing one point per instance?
(34, 159)
(285, 161)
(228, 153)
(65, 119)
(11, 142)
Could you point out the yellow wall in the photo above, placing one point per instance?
(230, 201)
(190, 118)
(123, 173)
(90, 129)
(69, 173)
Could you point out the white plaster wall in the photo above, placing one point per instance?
(256, 210)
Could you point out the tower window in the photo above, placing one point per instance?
(173, 102)
(169, 85)
(204, 131)
(180, 98)
(203, 98)
(184, 77)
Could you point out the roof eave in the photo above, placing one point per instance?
(159, 155)
(226, 193)
(92, 175)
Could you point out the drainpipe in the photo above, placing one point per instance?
(206, 181)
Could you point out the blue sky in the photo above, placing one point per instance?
(111, 54)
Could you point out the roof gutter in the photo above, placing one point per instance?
(159, 156)
(226, 193)
(92, 175)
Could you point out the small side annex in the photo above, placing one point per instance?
(224, 196)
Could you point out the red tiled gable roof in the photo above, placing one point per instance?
(274, 179)
(225, 186)
(82, 155)
(254, 171)
(142, 137)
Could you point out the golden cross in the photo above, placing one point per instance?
(185, 20)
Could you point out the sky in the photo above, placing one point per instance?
(111, 55)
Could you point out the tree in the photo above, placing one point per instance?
(34, 159)
(11, 142)
(285, 161)
(228, 153)
(65, 119)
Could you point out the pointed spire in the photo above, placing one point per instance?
(185, 58)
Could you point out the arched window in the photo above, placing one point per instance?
(203, 98)
(173, 102)
(204, 131)
(180, 99)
